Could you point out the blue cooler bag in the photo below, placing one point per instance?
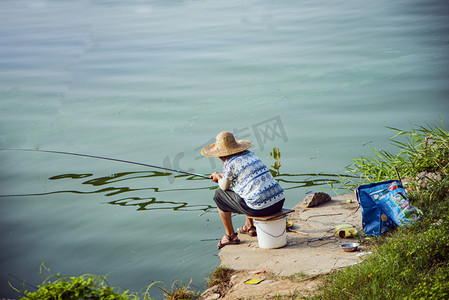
(384, 206)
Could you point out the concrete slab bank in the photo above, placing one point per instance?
(313, 248)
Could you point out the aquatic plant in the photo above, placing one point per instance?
(276, 154)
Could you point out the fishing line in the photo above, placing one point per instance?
(108, 158)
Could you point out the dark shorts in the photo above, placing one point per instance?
(229, 201)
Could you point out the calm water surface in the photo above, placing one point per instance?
(155, 81)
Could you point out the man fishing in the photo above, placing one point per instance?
(254, 192)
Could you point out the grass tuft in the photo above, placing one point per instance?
(220, 277)
(180, 291)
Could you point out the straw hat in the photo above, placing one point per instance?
(225, 144)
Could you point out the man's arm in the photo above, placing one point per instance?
(223, 183)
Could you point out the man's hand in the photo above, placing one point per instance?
(216, 176)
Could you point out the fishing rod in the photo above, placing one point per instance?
(108, 158)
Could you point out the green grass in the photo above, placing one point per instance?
(409, 262)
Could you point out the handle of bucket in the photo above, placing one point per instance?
(275, 236)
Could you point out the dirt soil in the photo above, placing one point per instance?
(312, 249)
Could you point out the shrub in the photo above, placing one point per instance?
(82, 287)
(409, 262)
(422, 151)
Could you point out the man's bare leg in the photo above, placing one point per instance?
(249, 222)
(230, 237)
(227, 222)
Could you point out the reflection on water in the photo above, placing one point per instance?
(155, 198)
(143, 203)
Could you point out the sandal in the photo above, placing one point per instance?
(251, 231)
(232, 240)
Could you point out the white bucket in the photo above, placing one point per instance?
(272, 233)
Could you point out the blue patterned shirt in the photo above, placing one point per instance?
(252, 180)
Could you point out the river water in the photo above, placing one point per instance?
(154, 81)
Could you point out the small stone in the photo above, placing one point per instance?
(233, 278)
(213, 297)
(210, 290)
(425, 180)
(267, 282)
(210, 294)
(316, 199)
